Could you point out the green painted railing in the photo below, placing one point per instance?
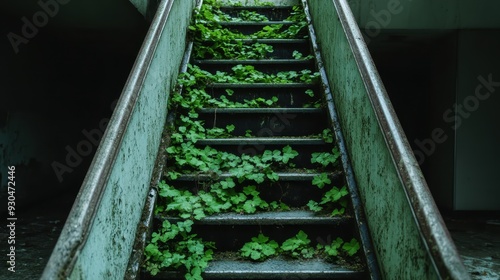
(409, 235)
(97, 239)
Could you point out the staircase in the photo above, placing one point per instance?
(257, 184)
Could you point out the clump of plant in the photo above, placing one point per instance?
(333, 202)
(173, 247)
(246, 15)
(245, 74)
(260, 248)
(338, 247)
(213, 40)
(298, 246)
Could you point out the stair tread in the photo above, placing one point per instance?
(261, 141)
(258, 23)
(292, 217)
(254, 61)
(283, 176)
(268, 41)
(256, 7)
(275, 268)
(276, 41)
(261, 85)
(260, 110)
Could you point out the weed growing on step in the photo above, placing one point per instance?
(261, 248)
(174, 247)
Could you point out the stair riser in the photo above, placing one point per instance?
(248, 29)
(268, 67)
(232, 238)
(271, 14)
(302, 160)
(281, 276)
(287, 98)
(268, 125)
(282, 50)
(293, 194)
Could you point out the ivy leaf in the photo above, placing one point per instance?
(351, 247)
(167, 191)
(288, 153)
(237, 199)
(230, 128)
(338, 212)
(321, 180)
(227, 184)
(257, 177)
(327, 135)
(249, 207)
(251, 190)
(267, 156)
(260, 248)
(273, 176)
(314, 206)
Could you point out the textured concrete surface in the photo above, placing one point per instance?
(477, 237)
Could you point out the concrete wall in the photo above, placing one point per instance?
(464, 36)
(475, 119)
(425, 14)
(97, 238)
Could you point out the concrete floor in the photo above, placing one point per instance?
(477, 237)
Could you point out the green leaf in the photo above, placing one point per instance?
(338, 212)
(327, 135)
(166, 190)
(230, 128)
(260, 248)
(228, 183)
(314, 206)
(321, 180)
(273, 176)
(289, 153)
(351, 247)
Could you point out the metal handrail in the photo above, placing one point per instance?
(81, 217)
(432, 229)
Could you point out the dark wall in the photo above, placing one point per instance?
(418, 69)
(58, 88)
